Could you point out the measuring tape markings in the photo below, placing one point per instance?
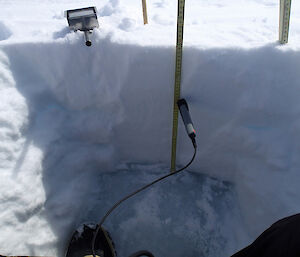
(285, 11)
(178, 68)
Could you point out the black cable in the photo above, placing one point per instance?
(136, 192)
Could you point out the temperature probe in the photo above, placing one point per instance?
(187, 120)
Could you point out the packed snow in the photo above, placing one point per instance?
(81, 127)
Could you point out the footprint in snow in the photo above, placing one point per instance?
(127, 24)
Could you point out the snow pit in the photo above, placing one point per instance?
(81, 127)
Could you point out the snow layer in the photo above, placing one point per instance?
(80, 127)
(236, 23)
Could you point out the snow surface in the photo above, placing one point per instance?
(81, 127)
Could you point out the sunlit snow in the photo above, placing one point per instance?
(81, 127)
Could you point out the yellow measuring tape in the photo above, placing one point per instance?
(284, 20)
(178, 65)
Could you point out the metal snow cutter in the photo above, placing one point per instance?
(83, 19)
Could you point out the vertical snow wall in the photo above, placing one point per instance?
(72, 116)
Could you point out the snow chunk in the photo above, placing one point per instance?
(5, 32)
